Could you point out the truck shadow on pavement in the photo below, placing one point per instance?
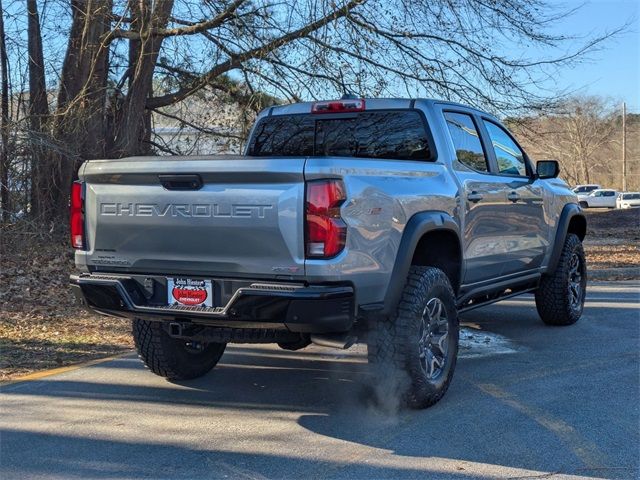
(521, 411)
(63, 456)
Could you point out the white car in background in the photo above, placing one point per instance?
(601, 198)
(583, 191)
(628, 200)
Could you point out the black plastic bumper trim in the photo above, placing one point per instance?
(298, 308)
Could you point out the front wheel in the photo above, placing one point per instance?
(561, 295)
(413, 353)
(173, 358)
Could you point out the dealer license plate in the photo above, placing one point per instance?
(189, 292)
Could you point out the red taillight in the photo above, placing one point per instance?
(76, 216)
(326, 231)
(338, 106)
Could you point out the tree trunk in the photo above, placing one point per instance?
(133, 131)
(38, 113)
(4, 123)
(80, 123)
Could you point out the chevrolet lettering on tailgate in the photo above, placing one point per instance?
(196, 210)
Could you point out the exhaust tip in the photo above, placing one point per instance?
(334, 340)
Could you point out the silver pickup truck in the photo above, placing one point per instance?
(375, 220)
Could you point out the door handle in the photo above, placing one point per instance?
(474, 197)
(513, 197)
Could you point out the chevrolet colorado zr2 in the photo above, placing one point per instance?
(378, 220)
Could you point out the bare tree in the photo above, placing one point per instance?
(4, 122)
(577, 134)
(38, 114)
(126, 59)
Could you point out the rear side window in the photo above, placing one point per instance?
(466, 141)
(508, 155)
(399, 135)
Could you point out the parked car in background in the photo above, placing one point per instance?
(583, 191)
(601, 198)
(628, 200)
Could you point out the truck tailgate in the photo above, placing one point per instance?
(245, 218)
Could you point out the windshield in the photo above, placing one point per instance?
(585, 188)
(399, 135)
(631, 196)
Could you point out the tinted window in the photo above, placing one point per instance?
(466, 141)
(631, 196)
(508, 155)
(398, 135)
(280, 135)
(609, 194)
(394, 135)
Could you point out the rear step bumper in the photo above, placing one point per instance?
(298, 308)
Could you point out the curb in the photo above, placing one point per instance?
(55, 371)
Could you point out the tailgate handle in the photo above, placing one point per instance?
(181, 182)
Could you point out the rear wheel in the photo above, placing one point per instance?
(413, 353)
(561, 295)
(584, 204)
(173, 358)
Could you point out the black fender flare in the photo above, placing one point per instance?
(418, 225)
(569, 211)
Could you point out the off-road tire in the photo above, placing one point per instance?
(393, 342)
(170, 357)
(553, 297)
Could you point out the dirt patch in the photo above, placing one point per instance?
(622, 224)
(40, 326)
(613, 239)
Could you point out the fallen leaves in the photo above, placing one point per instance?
(40, 326)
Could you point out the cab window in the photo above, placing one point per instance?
(385, 134)
(466, 141)
(509, 156)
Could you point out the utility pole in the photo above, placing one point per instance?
(624, 147)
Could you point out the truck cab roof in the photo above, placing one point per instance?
(370, 104)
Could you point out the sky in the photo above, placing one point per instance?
(613, 71)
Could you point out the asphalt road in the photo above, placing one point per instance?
(527, 400)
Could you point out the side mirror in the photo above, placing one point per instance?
(547, 169)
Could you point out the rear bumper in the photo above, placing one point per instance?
(294, 307)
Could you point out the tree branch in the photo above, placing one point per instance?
(191, 29)
(236, 60)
